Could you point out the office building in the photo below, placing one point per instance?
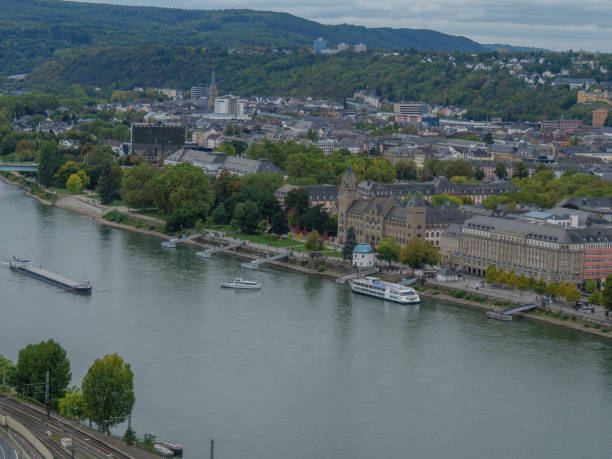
(320, 45)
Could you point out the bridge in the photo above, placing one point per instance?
(19, 167)
(507, 314)
(172, 242)
(208, 252)
(255, 263)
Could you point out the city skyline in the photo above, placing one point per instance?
(555, 25)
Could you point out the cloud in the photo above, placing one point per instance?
(553, 24)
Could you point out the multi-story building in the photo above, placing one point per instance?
(155, 140)
(415, 109)
(199, 92)
(549, 252)
(325, 196)
(319, 45)
(597, 246)
(360, 48)
(379, 217)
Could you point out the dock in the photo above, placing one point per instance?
(172, 242)
(255, 263)
(208, 252)
(507, 314)
(344, 279)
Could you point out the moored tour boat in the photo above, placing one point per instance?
(373, 286)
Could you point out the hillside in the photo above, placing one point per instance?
(32, 31)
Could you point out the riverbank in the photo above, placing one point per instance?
(538, 316)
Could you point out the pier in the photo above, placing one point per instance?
(344, 279)
(255, 263)
(208, 252)
(172, 242)
(506, 314)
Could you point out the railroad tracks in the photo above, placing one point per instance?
(46, 429)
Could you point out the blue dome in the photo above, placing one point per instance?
(363, 248)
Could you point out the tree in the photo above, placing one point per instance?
(32, 365)
(513, 279)
(48, 163)
(72, 404)
(459, 168)
(572, 293)
(501, 171)
(314, 242)
(349, 244)
(278, 223)
(108, 391)
(490, 202)
(7, 371)
(137, 185)
(183, 217)
(502, 277)
(218, 215)
(246, 216)
(297, 204)
(488, 138)
(109, 183)
(551, 289)
(523, 283)
(491, 275)
(182, 185)
(63, 174)
(520, 170)
(590, 285)
(595, 298)
(479, 173)
(388, 250)
(539, 287)
(606, 295)
(418, 252)
(74, 184)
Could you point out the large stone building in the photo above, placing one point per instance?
(543, 251)
(379, 217)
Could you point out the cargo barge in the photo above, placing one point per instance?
(25, 266)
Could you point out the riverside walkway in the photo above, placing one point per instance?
(208, 252)
(344, 279)
(506, 314)
(255, 263)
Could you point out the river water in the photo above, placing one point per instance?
(304, 368)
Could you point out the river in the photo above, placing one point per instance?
(304, 368)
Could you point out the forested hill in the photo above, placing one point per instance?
(31, 31)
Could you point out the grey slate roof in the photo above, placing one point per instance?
(541, 232)
(250, 166)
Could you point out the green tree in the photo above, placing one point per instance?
(74, 184)
(572, 293)
(520, 170)
(218, 215)
(109, 183)
(278, 223)
(488, 138)
(32, 365)
(539, 287)
(182, 185)
(606, 295)
(349, 244)
(501, 171)
(297, 204)
(590, 285)
(513, 279)
(388, 250)
(595, 298)
(491, 275)
(7, 371)
(490, 202)
(551, 289)
(523, 283)
(72, 404)
(418, 252)
(63, 174)
(314, 242)
(479, 173)
(246, 216)
(108, 391)
(502, 277)
(137, 185)
(49, 162)
(182, 218)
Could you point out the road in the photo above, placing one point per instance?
(6, 451)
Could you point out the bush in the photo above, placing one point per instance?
(564, 317)
(321, 268)
(183, 217)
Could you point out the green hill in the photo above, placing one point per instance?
(32, 31)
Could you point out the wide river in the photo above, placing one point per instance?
(304, 368)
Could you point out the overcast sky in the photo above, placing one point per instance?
(552, 24)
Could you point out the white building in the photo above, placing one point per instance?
(364, 256)
(361, 48)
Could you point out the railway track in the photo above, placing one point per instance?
(35, 420)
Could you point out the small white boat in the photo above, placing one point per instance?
(241, 284)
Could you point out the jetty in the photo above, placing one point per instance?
(255, 263)
(25, 266)
(172, 242)
(208, 252)
(344, 279)
(507, 314)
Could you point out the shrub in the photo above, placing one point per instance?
(321, 268)
(183, 217)
(564, 317)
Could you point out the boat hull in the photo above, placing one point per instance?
(387, 297)
(85, 289)
(240, 287)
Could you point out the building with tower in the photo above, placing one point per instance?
(388, 216)
(213, 92)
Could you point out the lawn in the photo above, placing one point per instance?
(274, 241)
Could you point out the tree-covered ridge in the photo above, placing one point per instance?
(32, 30)
(443, 81)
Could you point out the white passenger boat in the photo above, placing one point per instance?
(241, 284)
(373, 286)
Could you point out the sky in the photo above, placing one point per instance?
(552, 24)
